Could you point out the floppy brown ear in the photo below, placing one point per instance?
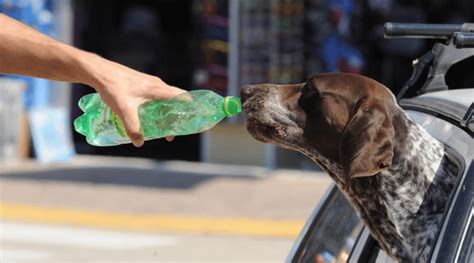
(366, 145)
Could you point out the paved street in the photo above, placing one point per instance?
(22, 242)
(103, 209)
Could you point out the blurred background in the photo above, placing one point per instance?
(217, 196)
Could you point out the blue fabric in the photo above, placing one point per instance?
(339, 56)
(35, 14)
(50, 126)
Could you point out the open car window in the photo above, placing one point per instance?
(459, 148)
(335, 233)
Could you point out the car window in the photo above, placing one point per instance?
(371, 252)
(332, 237)
(467, 243)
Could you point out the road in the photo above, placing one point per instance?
(134, 210)
(26, 242)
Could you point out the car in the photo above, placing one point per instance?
(443, 104)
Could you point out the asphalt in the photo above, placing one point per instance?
(34, 243)
(210, 212)
(183, 188)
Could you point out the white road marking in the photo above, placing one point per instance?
(13, 254)
(82, 237)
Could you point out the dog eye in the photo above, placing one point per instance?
(305, 100)
(308, 95)
(305, 88)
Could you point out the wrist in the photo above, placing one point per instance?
(93, 69)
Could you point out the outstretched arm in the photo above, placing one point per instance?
(25, 51)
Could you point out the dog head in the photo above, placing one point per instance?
(341, 121)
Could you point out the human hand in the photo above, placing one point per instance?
(124, 90)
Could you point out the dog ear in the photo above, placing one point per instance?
(366, 145)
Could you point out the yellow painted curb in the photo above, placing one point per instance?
(152, 222)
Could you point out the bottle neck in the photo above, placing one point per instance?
(231, 106)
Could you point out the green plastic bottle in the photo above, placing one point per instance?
(190, 112)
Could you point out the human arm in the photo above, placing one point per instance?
(25, 51)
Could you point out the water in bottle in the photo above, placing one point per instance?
(188, 113)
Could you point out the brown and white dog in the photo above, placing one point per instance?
(393, 172)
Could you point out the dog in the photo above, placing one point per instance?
(393, 172)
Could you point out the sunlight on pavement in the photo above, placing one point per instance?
(22, 242)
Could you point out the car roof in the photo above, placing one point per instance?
(463, 97)
(455, 106)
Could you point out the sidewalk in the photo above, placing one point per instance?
(175, 197)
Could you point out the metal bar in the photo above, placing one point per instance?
(464, 40)
(405, 30)
(233, 54)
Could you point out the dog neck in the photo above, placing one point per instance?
(404, 186)
(412, 193)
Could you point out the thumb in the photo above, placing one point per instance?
(131, 123)
(165, 92)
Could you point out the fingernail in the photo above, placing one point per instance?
(138, 144)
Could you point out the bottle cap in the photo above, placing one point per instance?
(232, 106)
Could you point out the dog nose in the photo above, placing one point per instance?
(246, 92)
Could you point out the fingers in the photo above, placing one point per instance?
(132, 127)
(131, 122)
